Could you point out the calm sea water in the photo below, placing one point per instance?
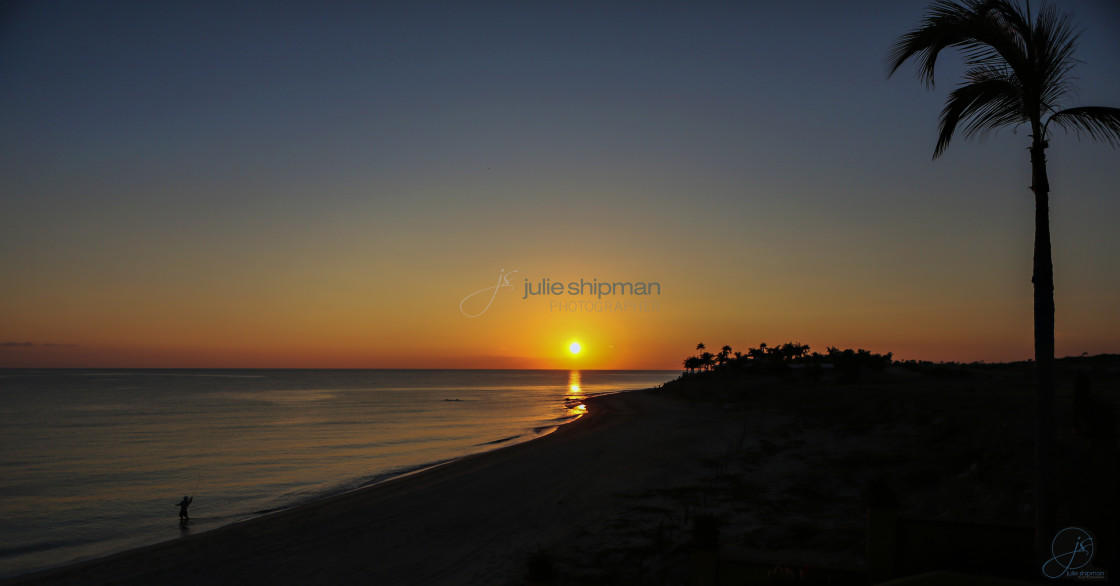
(94, 461)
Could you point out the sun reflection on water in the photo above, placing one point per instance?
(575, 398)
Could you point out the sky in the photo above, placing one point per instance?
(327, 184)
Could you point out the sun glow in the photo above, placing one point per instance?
(574, 348)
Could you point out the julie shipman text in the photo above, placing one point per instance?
(592, 287)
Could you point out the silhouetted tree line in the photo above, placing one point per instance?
(784, 357)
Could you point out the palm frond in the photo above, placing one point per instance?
(1053, 47)
(944, 25)
(985, 104)
(1001, 103)
(1002, 33)
(985, 31)
(1009, 21)
(1097, 122)
(1017, 70)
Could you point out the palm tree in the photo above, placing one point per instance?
(724, 355)
(1019, 72)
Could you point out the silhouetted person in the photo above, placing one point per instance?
(183, 504)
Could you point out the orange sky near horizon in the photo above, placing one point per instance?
(339, 292)
(402, 325)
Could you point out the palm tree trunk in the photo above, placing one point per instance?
(1045, 506)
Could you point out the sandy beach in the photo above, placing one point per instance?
(615, 496)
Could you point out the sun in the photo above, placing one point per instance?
(574, 348)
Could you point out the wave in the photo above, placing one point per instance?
(498, 441)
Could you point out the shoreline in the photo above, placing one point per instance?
(489, 447)
(782, 466)
(180, 560)
(481, 449)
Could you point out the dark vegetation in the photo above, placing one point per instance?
(786, 358)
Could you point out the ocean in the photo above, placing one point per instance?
(95, 461)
